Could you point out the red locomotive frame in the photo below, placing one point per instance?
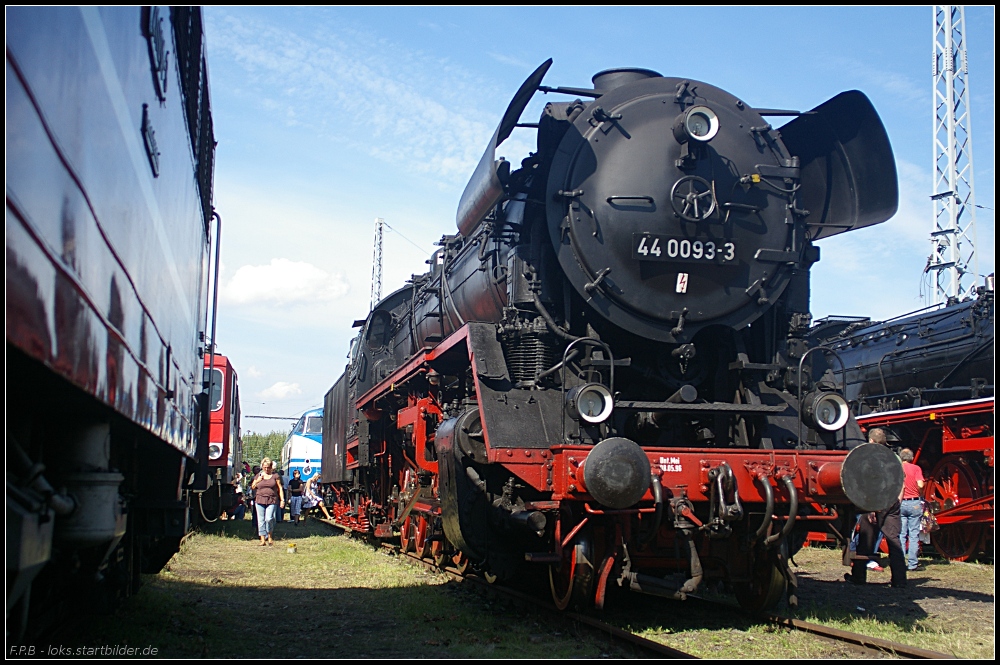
(953, 444)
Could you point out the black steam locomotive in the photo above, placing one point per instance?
(607, 370)
(110, 155)
(932, 356)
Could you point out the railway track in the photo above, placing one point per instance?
(863, 643)
(623, 636)
(873, 644)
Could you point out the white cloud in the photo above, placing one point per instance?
(284, 282)
(895, 84)
(512, 61)
(254, 372)
(392, 103)
(280, 390)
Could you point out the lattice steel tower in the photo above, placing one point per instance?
(953, 264)
(377, 265)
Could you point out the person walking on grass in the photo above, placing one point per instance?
(268, 499)
(295, 489)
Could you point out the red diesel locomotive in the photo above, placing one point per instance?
(225, 445)
(606, 371)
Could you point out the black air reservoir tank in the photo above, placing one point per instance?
(468, 283)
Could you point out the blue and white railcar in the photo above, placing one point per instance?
(303, 450)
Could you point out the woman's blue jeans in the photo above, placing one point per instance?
(265, 518)
(910, 512)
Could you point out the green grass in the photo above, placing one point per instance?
(947, 607)
(338, 597)
(225, 596)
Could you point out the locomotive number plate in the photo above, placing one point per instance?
(655, 247)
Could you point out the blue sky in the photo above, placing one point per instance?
(327, 118)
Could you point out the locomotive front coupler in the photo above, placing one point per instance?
(722, 483)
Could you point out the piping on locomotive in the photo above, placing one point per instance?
(606, 371)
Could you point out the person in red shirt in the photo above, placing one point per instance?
(911, 508)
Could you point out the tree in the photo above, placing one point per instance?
(257, 446)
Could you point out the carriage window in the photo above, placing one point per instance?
(215, 396)
(314, 426)
(300, 426)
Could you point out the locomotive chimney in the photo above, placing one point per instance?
(610, 79)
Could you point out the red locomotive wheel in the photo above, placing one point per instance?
(438, 553)
(406, 535)
(764, 589)
(421, 542)
(953, 483)
(603, 577)
(460, 562)
(572, 579)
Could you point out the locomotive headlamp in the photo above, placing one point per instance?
(698, 123)
(591, 403)
(214, 451)
(827, 410)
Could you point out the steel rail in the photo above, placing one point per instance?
(874, 643)
(871, 643)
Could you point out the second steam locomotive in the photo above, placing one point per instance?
(927, 378)
(607, 371)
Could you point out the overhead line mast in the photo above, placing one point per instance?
(953, 263)
(377, 264)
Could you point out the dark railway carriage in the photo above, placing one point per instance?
(606, 372)
(109, 185)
